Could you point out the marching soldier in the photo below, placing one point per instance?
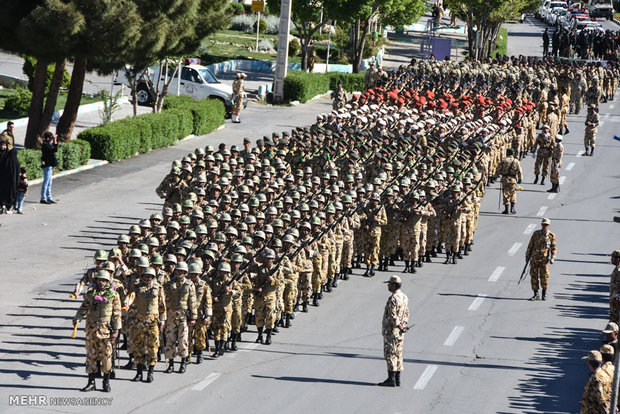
(614, 288)
(222, 290)
(203, 304)
(393, 329)
(374, 217)
(510, 169)
(182, 314)
(592, 122)
(265, 285)
(101, 256)
(597, 394)
(544, 143)
(540, 253)
(102, 309)
(556, 164)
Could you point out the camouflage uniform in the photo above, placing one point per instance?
(541, 249)
(150, 310)
(181, 305)
(597, 394)
(592, 122)
(396, 313)
(614, 295)
(510, 169)
(265, 299)
(556, 162)
(204, 307)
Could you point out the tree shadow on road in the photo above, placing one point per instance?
(317, 380)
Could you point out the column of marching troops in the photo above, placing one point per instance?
(254, 234)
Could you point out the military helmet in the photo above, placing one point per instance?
(143, 262)
(149, 271)
(182, 266)
(171, 258)
(109, 266)
(123, 238)
(135, 230)
(194, 268)
(224, 267)
(135, 253)
(102, 274)
(156, 259)
(101, 255)
(237, 258)
(269, 254)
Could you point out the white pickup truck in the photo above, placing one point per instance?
(196, 81)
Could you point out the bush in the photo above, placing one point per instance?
(69, 155)
(84, 150)
(114, 141)
(185, 120)
(243, 23)
(19, 102)
(237, 8)
(208, 114)
(262, 26)
(350, 81)
(293, 47)
(273, 24)
(177, 101)
(31, 159)
(302, 86)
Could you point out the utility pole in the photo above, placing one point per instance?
(282, 56)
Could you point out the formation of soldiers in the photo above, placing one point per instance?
(254, 234)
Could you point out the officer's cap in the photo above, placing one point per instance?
(611, 327)
(546, 221)
(394, 279)
(594, 356)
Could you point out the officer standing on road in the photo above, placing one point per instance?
(393, 329)
(510, 169)
(592, 122)
(614, 288)
(541, 252)
(556, 164)
(238, 88)
(102, 309)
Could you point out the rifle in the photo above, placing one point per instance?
(527, 262)
(74, 333)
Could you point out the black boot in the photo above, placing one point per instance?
(552, 189)
(124, 346)
(129, 364)
(406, 266)
(315, 299)
(304, 307)
(397, 378)
(412, 268)
(469, 246)
(448, 257)
(170, 366)
(389, 382)
(591, 150)
(392, 258)
(587, 149)
(288, 323)
(505, 209)
(296, 307)
(367, 272)
(535, 296)
(544, 294)
(427, 257)
(183, 366)
(420, 261)
(536, 179)
(91, 384)
(149, 374)
(433, 252)
(222, 347)
(319, 295)
(557, 188)
(259, 339)
(198, 357)
(138, 376)
(372, 270)
(347, 272)
(386, 263)
(233, 343)
(335, 281)
(268, 338)
(275, 330)
(380, 264)
(542, 181)
(512, 208)
(566, 131)
(458, 253)
(453, 258)
(466, 250)
(106, 383)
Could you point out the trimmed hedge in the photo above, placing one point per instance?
(182, 116)
(31, 158)
(70, 155)
(301, 86)
(84, 150)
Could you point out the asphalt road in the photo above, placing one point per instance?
(478, 345)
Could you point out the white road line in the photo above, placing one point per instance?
(205, 382)
(611, 106)
(530, 228)
(601, 124)
(454, 335)
(542, 211)
(570, 166)
(249, 347)
(496, 273)
(515, 247)
(425, 377)
(562, 179)
(551, 196)
(580, 153)
(477, 302)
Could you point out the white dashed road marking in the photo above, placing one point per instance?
(551, 196)
(570, 166)
(562, 179)
(542, 211)
(515, 247)
(454, 335)
(477, 302)
(205, 382)
(611, 106)
(580, 153)
(425, 377)
(496, 273)
(530, 228)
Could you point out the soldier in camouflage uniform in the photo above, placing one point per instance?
(101, 256)
(592, 122)
(597, 394)
(102, 309)
(374, 218)
(223, 288)
(204, 309)
(556, 164)
(393, 329)
(510, 169)
(614, 288)
(544, 144)
(540, 253)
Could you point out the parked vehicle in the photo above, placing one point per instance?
(601, 8)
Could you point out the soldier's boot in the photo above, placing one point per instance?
(380, 263)
(233, 343)
(216, 351)
(315, 300)
(459, 254)
(366, 273)
(335, 281)
(554, 188)
(557, 188)
(389, 382)
(544, 294)
(183, 366)
(412, 268)
(296, 306)
(149, 374)
(106, 383)
(268, 338)
(592, 150)
(159, 354)
(535, 179)
(98, 373)
(505, 209)
(198, 357)
(512, 208)
(349, 270)
(433, 252)
(420, 261)
(275, 330)
(356, 262)
(566, 131)
(129, 364)
(439, 249)
(328, 286)
(223, 347)
(427, 257)
(288, 323)
(112, 374)
(304, 307)
(372, 270)
(91, 384)
(386, 263)
(124, 346)
(587, 151)
(454, 258)
(542, 181)
(397, 378)
(259, 339)
(448, 257)
(392, 257)
(138, 376)
(346, 273)
(406, 266)
(466, 250)
(535, 296)
(170, 366)
(319, 295)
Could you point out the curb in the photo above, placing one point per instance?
(74, 171)
(319, 96)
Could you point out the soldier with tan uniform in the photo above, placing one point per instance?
(374, 217)
(614, 288)
(265, 297)
(597, 394)
(102, 309)
(393, 329)
(204, 309)
(544, 143)
(510, 169)
(182, 314)
(149, 318)
(541, 252)
(222, 290)
(101, 256)
(556, 164)
(592, 122)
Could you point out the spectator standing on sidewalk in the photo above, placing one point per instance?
(7, 134)
(48, 162)
(9, 171)
(545, 38)
(22, 189)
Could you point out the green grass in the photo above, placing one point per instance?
(60, 104)
(502, 43)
